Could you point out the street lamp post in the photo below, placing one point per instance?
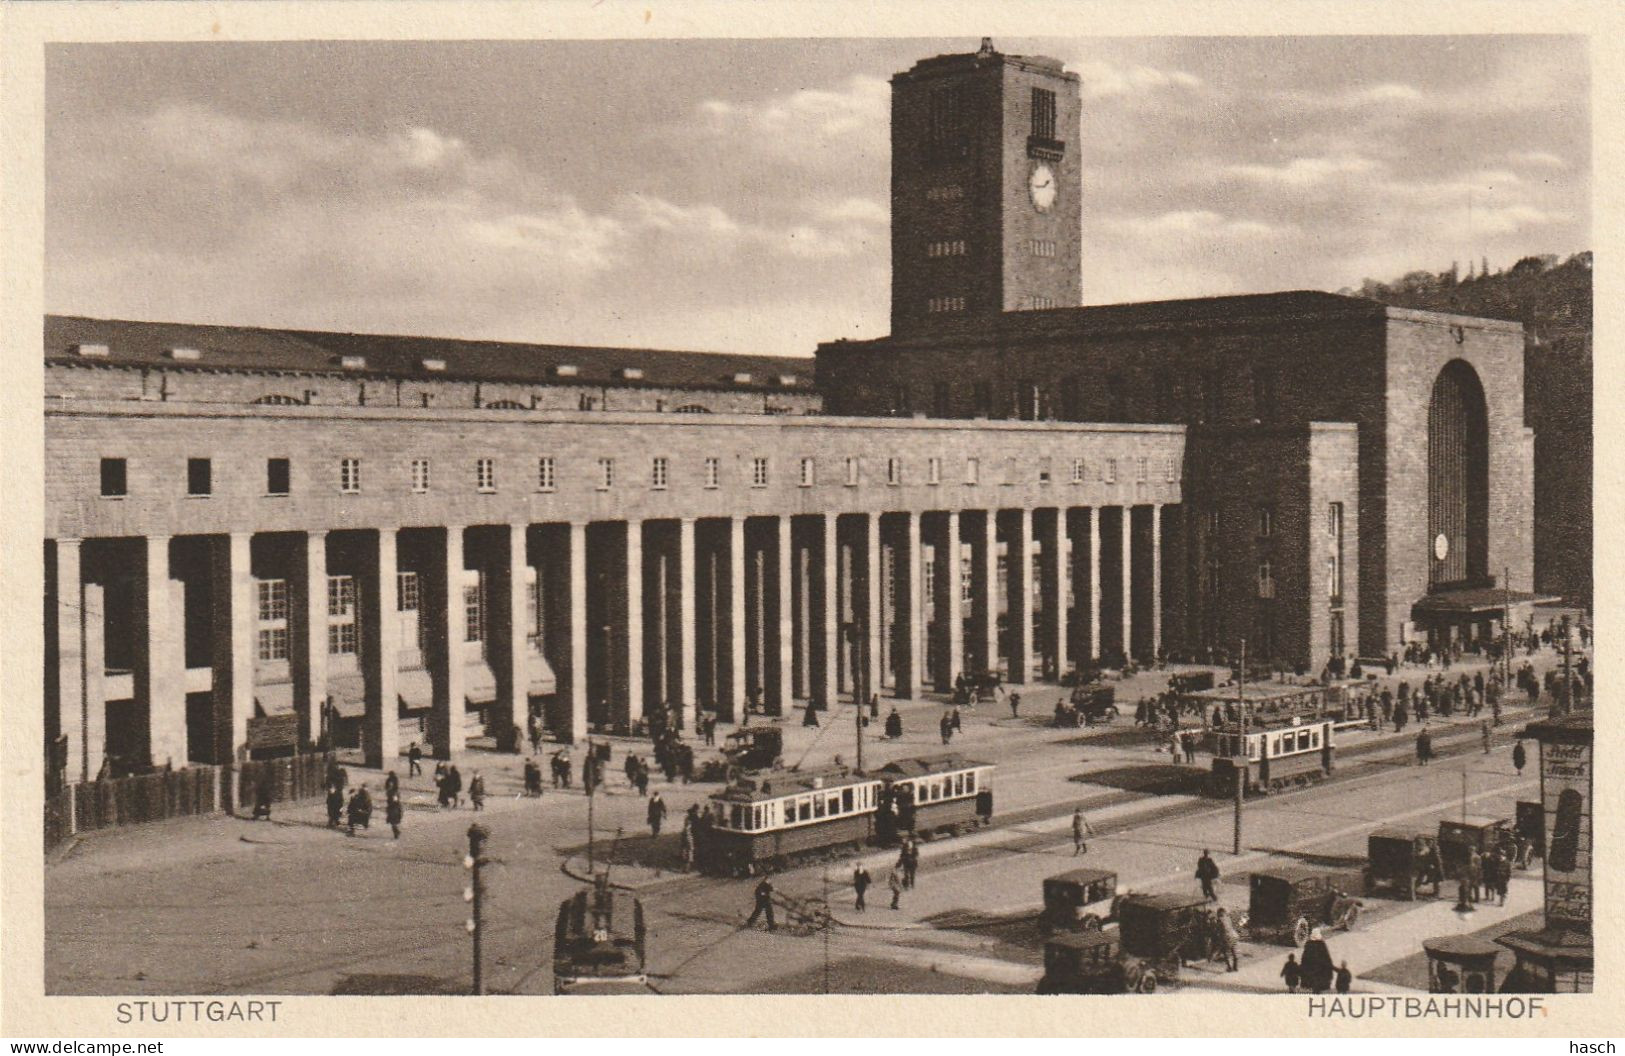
(1241, 770)
(475, 894)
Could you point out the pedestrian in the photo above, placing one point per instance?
(1015, 705)
(911, 862)
(1475, 875)
(533, 779)
(764, 905)
(1189, 739)
(895, 882)
(1498, 875)
(642, 778)
(1292, 973)
(956, 722)
(262, 801)
(1174, 747)
(860, 884)
(1229, 940)
(1519, 757)
(631, 768)
(1207, 871)
(1424, 747)
(454, 786)
(1484, 736)
(1317, 966)
(414, 760)
(476, 791)
(657, 814)
(360, 810)
(894, 725)
(393, 814)
(392, 785)
(946, 725)
(1080, 829)
(1345, 978)
(335, 805)
(691, 825)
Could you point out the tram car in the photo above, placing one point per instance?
(768, 820)
(1271, 757)
(598, 942)
(937, 795)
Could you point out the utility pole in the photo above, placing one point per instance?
(857, 717)
(828, 921)
(1568, 669)
(1506, 620)
(1241, 769)
(587, 781)
(475, 894)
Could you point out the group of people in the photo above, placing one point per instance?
(1315, 972)
(948, 724)
(356, 811)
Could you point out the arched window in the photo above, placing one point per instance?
(506, 405)
(693, 408)
(276, 399)
(1458, 477)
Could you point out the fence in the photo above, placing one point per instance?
(195, 790)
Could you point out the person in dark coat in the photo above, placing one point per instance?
(764, 905)
(894, 725)
(860, 884)
(454, 786)
(393, 814)
(335, 805)
(414, 760)
(533, 779)
(1207, 871)
(946, 726)
(642, 779)
(1424, 746)
(1015, 705)
(810, 718)
(657, 814)
(1519, 757)
(392, 785)
(476, 791)
(360, 809)
(1345, 978)
(262, 801)
(1292, 973)
(1318, 969)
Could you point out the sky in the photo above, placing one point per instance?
(733, 195)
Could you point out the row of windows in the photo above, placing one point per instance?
(948, 786)
(1075, 399)
(341, 613)
(945, 249)
(1035, 302)
(114, 473)
(795, 810)
(1041, 247)
(945, 304)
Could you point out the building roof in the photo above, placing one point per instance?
(151, 344)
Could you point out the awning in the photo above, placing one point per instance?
(479, 683)
(349, 695)
(415, 688)
(274, 698)
(542, 681)
(1474, 601)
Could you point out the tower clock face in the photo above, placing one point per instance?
(1041, 187)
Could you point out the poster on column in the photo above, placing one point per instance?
(747, 498)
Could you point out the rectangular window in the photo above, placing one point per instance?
(894, 471)
(546, 473)
(1045, 470)
(1140, 469)
(809, 472)
(1110, 472)
(273, 643)
(277, 474)
(713, 472)
(474, 614)
(485, 474)
(1170, 469)
(1043, 123)
(406, 592)
(1025, 397)
(973, 470)
(967, 578)
(341, 639)
(933, 470)
(350, 476)
(340, 596)
(273, 599)
(984, 400)
(659, 472)
(606, 474)
(945, 121)
(758, 472)
(420, 476)
(1334, 560)
(1079, 468)
(198, 476)
(854, 472)
(901, 405)
(1266, 522)
(1266, 580)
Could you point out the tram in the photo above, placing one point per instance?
(1271, 756)
(598, 942)
(768, 820)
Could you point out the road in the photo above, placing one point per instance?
(222, 905)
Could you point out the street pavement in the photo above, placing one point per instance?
(223, 905)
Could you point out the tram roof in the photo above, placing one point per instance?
(764, 785)
(1255, 691)
(925, 766)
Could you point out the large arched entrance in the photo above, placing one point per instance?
(1458, 479)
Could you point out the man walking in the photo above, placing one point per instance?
(895, 882)
(1207, 871)
(414, 760)
(657, 814)
(764, 904)
(392, 814)
(1080, 829)
(860, 884)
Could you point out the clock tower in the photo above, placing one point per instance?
(986, 188)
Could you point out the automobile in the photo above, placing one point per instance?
(1479, 832)
(747, 748)
(1401, 861)
(1160, 933)
(1079, 900)
(1287, 903)
(1091, 962)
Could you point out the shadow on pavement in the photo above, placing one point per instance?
(1157, 779)
(396, 985)
(1114, 737)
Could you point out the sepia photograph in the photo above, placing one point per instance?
(972, 515)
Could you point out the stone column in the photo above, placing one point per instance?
(380, 732)
(232, 687)
(450, 692)
(1094, 584)
(985, 571)
(1019, 614)
(162, 678)
(1156, 579)
(1128, 580)
(576, 559)
(946, 602)
(873, 593)
(911, 659)
(509, 636)
(686, 696)
(95, 684)
(632, 643)
(310, 646)
(1054, 588)
(780, 691)
(72, 716)
(731, 698)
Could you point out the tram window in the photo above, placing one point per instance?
(818, 806)
(804, 811)
(1314, 739)
(1303, 741)
(846, 800)
(959, 784)
(970, 783)
(737, 820)
(1275, 745)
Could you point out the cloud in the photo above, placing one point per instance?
(1199, 223)
(1102, 80)
(1537, 159)
(862, 107)
(1306, 172)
